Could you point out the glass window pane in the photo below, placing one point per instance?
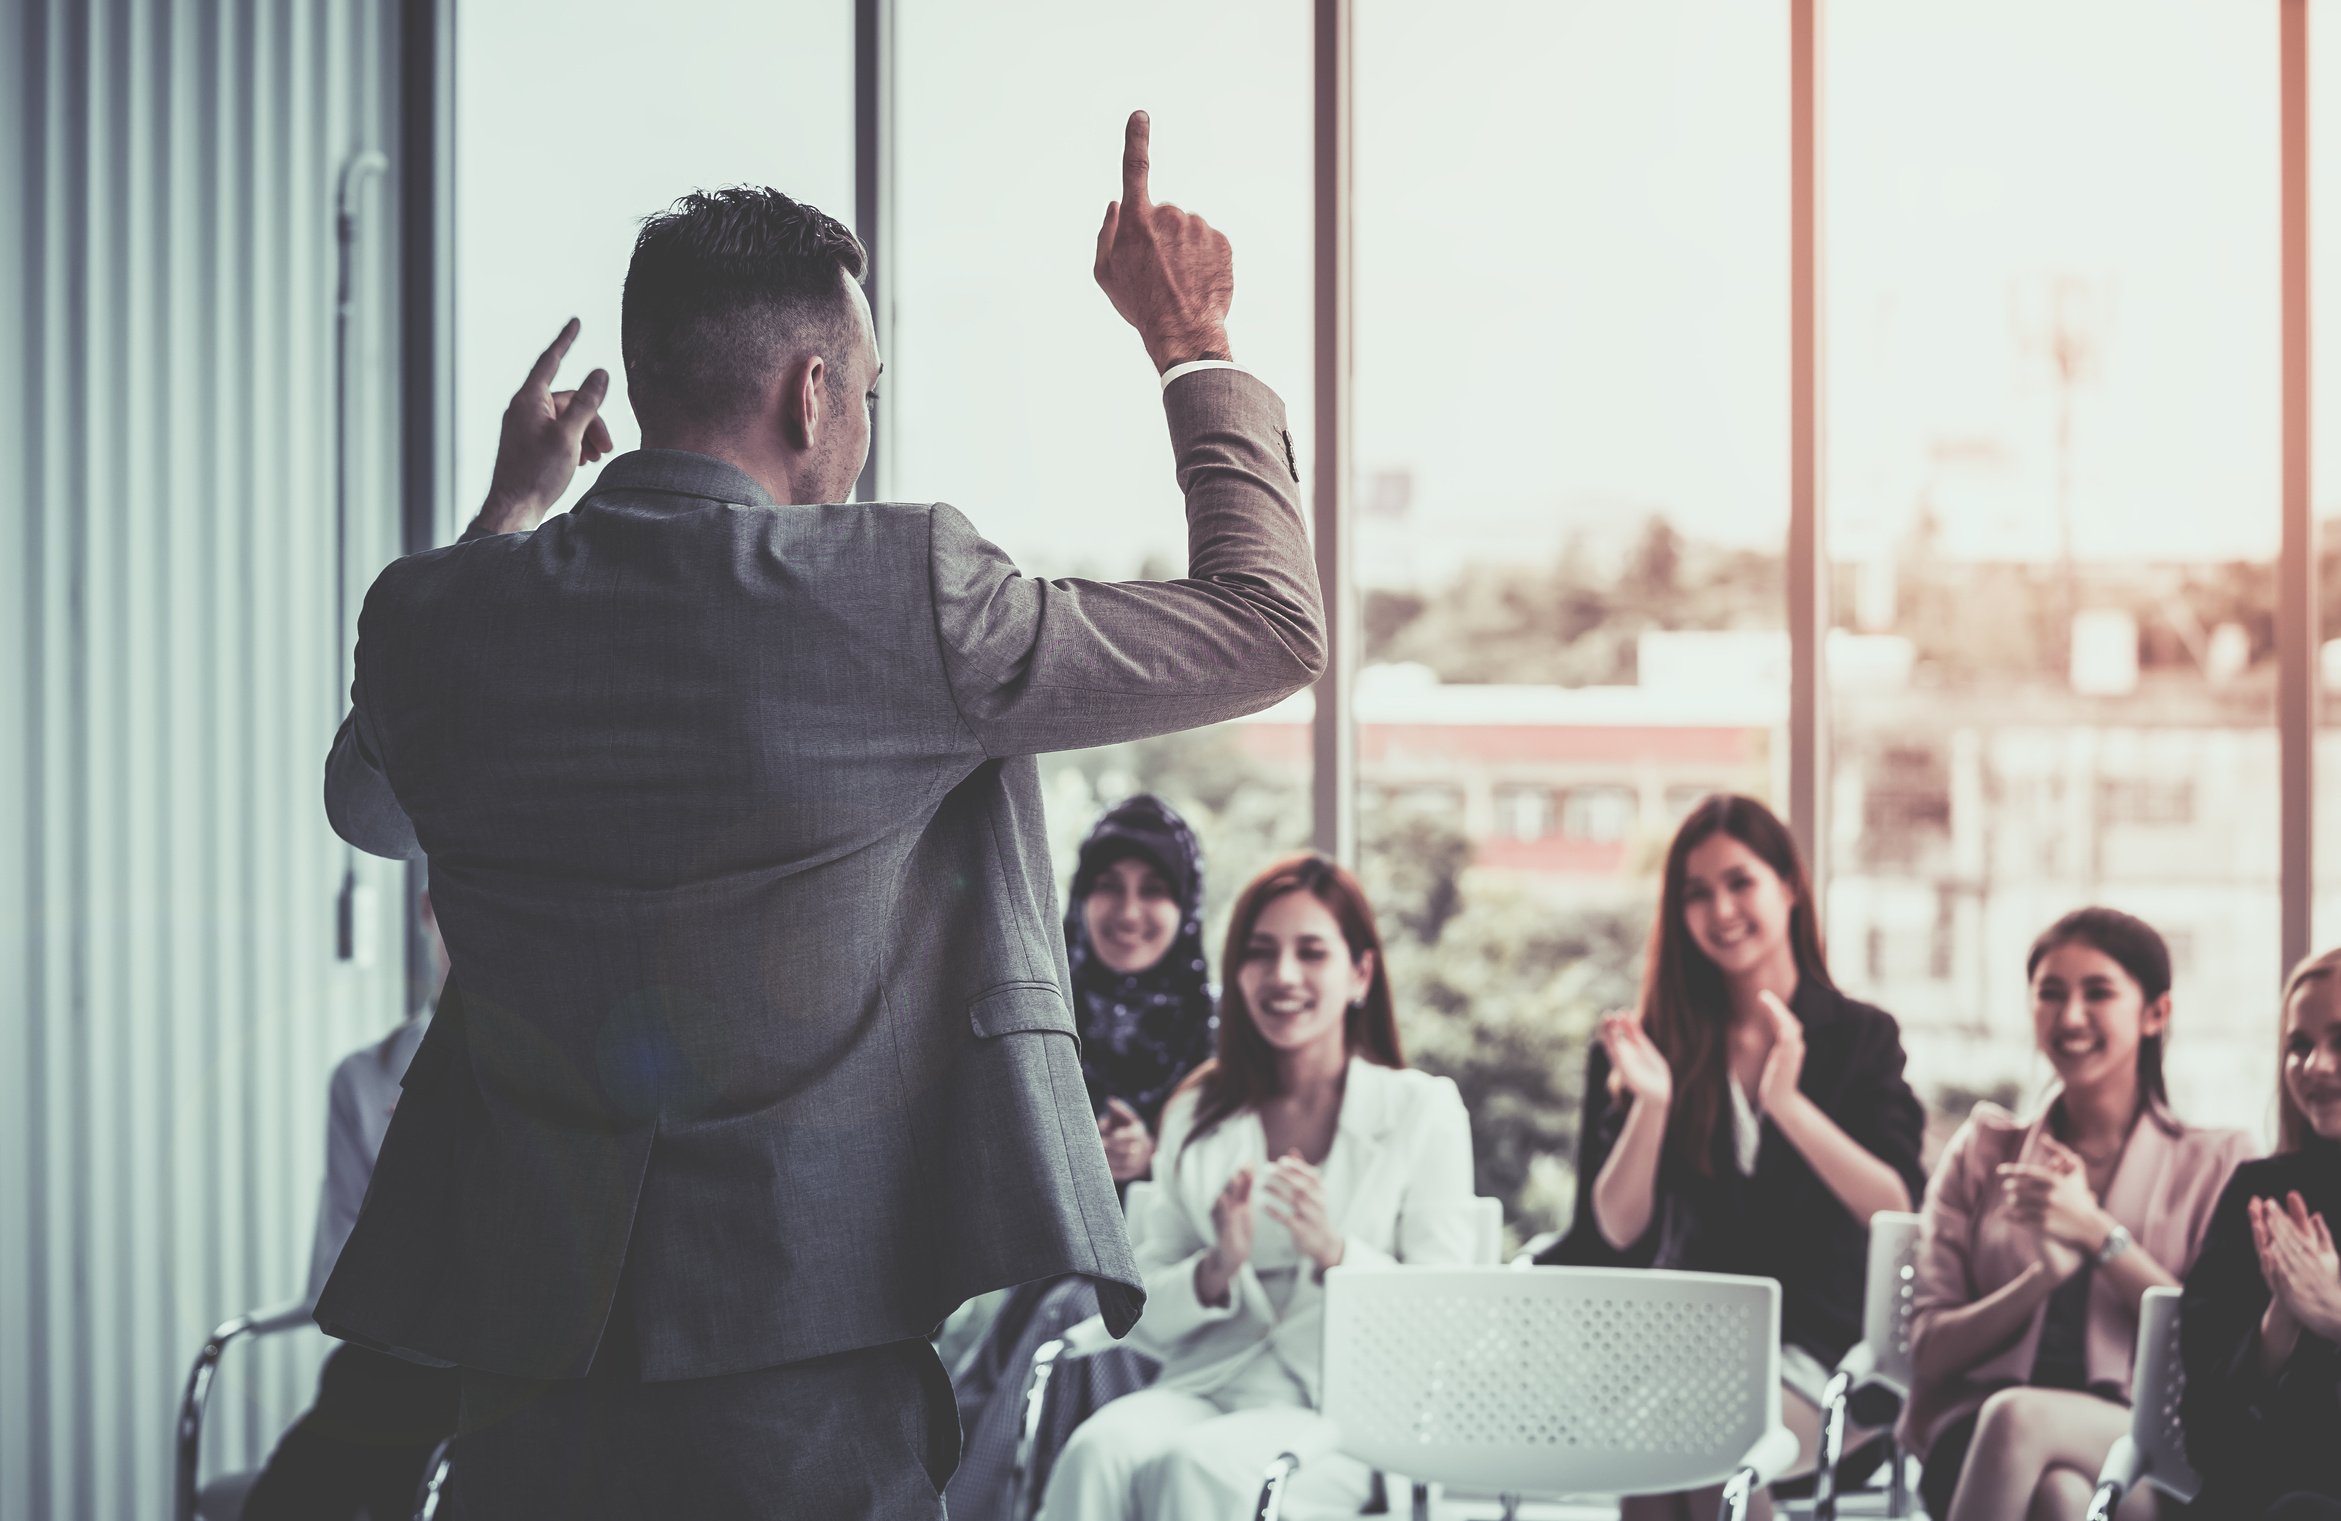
(2052, 498)
(1019, 396)
(1572, 468)
(571, 126)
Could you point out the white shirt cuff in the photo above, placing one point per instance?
(1192, 365)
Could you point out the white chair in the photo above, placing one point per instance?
(1090, 1336)
(2155, 1450)
(1881, 1360)
(1552, 1381)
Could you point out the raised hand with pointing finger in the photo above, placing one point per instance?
(1168, 272)
(546, 435)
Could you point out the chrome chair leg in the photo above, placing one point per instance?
(1022, 1503)
(1272, 1483)
(1833, 1402)
(434, 1486)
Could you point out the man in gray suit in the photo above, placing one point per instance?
(757, 1057)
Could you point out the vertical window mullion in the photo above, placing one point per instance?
(1808, 558)
(1334, 737)
(2296, 576)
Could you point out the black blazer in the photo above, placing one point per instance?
(1783, 1222)
(2254, 1438)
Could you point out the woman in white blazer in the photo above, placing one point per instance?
(1304, 1145)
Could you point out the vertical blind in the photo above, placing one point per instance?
(172, 993)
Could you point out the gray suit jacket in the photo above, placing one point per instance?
(736, 841)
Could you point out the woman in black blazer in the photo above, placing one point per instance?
(2260, 1327)
(1748, 1117)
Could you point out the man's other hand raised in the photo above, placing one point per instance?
(546, 435)
(1168, 272)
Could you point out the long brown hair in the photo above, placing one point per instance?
(1685, 1002)
(1243, 1074)
(2293, 1131)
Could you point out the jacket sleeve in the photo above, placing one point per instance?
(358, 800)
(1943, 1273)
(1878, 1109)
(2227, 1405)
(1438, 1219)
(1599, 1123)
(1038, 665)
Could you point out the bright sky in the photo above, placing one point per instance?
(1571, 260)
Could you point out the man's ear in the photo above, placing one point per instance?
(801, 411)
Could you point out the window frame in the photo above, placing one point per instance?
(1334, 778)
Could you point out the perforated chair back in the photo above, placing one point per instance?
(1552, 1380)
(1891, 1297)
(2157, 1381)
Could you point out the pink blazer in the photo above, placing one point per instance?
(2163, 1190)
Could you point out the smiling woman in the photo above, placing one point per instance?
(1747, 1117)
(1304, 1145)
(2043, 1235)
(2262, 1309)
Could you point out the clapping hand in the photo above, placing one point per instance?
(546, 435)
(2300, 1265)
(1168, 272)
(1231, 1247)
(1129, 1145)
(1296, 1201)
(1636, 1065)
(2050, 1198)
(1785, 1065)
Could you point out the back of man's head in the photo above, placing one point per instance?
(725, 289)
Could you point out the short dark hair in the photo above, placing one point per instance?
(724, 285)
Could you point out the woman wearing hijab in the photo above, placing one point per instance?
(1143, 999)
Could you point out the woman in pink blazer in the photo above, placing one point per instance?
(2041, 1237)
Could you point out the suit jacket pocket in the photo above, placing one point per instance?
(1019, 1006)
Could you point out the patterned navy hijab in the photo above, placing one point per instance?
(1141, 1032)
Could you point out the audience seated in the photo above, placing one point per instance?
(1748, 1117)
(1142, 993)
(2041, 1236)
(2260, 1326)
(1305, 1144)
(378, 1418)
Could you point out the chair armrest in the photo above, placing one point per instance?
(1086, 1338)
(1774, 1451)
(2124, 1466)
(1270, 1506)
(1861, 1363)
(1535, 1246)
(254, 1324)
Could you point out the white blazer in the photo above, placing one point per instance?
(1398, 1183)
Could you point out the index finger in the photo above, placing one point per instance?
(1121, 1112)
(548, 363)
(1135, 141)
